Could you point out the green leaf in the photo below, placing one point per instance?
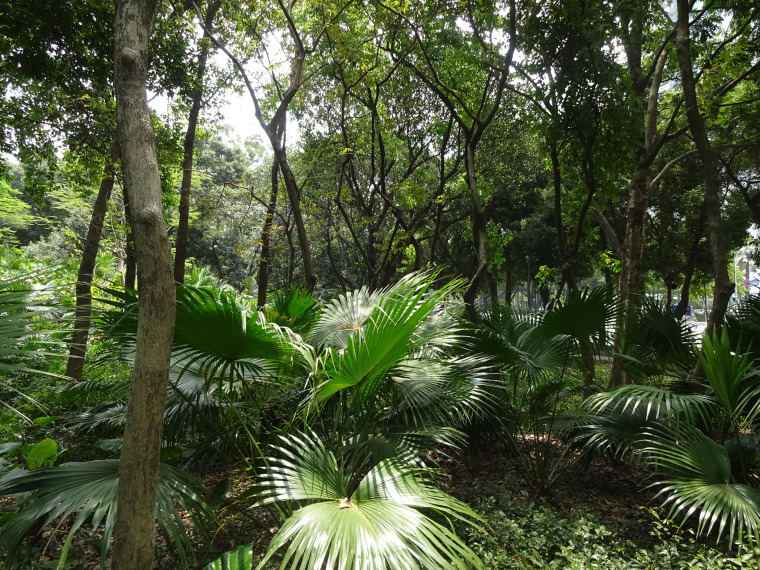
(42, 454)
(239, 559)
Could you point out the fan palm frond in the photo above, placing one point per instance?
(294, 308)
(388, 335)
(344, 317)
(582, 315)
(696, 479)
(89, 491)
(221, 338)
(377, 525)
(513, 341)
(725, 369)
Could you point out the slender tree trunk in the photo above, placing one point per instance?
(180, 246)
(691, 263)
(262, 279)
(631, 279)
(480, 237)
(134, 532)
(723, 285)
(310, 274)
(79, 338)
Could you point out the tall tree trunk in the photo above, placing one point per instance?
(691, 263)
(631, 279)
(134, 532)
(180, 246)
(262, 278)
(723, 285)
(79, 338)
(310, 274)
(480, 237)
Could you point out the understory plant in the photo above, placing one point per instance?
(547, 365)
(699, 434)
(388, 385)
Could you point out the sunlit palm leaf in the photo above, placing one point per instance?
(376, 526)
(653, 402)
(240, 559)
(387, 337)
(343, 317)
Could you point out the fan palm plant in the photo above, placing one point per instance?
(373, 520)
(387, 384)
(703, 445)
(228, 365)
(537, 379)
(24, 311)
(389, 362)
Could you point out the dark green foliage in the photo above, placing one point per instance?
(88, 491)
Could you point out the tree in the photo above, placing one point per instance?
(429, 41)
(196, 103)
(138, 474)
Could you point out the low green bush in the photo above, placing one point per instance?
(523, 534)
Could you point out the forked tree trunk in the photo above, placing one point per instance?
(723, 285)
(83, 311)
(135, 529)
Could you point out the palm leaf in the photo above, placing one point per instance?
(387, 337)
(375, 526)
(344, 317)
(725, 369)
(294, 308)
(239, 559)
(697, 480)
(89, 491)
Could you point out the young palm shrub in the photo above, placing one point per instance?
(294, 308)
(360, 520)
(583, 318)
(537, 384)
(228, 367)
(389, 364)
(656, 345)
(25, 311)
(702, 445)
(387, 385)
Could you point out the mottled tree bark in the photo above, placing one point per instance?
(262, 278)
(134, 533)
(130, 269)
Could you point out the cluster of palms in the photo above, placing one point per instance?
(343, 409)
